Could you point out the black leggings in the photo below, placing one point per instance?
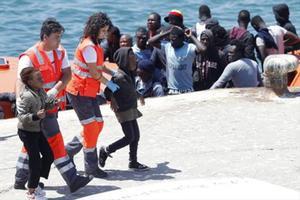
(36, 144)
(131, 138)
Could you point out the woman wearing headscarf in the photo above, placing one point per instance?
(124, 104)
(209, 65)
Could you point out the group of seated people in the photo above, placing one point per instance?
(174, 59)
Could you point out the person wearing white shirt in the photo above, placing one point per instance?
(271, 40)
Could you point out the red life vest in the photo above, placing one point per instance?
(82, 82)
(51, 73)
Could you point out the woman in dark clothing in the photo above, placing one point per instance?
(209, 65)
(153, 24)
(112, 43)
(124, 104)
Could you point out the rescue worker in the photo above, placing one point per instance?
(51, 59)
(83, 88)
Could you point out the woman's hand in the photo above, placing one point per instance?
(142, 101)
(113, 105)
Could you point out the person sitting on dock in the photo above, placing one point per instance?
(242, 71)
(271, 40)
(153, 24)
(282, 16)
(146, 82)
(204, 15)
(126, 40)
(140, 49)
(241, 33)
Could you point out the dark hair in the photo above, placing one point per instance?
(114, 30)
(204, 9)
(26, 74)
(220, 34)
(157, 15)
(129, 38)
(177, 31)
(141, 30)
(240, 46)
(94, 24)
(146, 65)
(244, 16)
(50, 25)
(211, 22)
(281, 10)
(256, 20)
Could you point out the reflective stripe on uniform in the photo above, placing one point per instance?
(23, 155)
(22, 165)
(99, 119)
(66, 168)
(87, 121)
(80, 64)
(80, 73)
(38, 55)
(89, 150)
(85, 66)
(61, 160)
(49, 85)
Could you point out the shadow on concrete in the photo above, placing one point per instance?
(84, 192)
(160, 172)
(6, 137)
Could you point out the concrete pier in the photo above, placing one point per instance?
(208, 138)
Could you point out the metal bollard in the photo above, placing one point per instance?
(276, 69)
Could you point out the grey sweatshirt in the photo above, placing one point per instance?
(243, 73)
(31, 102)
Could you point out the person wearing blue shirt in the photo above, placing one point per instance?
(179, 58)
(140, 49)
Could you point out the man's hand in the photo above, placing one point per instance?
(188, 33)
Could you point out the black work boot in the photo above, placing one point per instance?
(136, 166)
(21, 186)
(103, 154)
(98, 173)
(80, 182)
